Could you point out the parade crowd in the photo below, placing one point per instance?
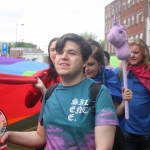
(66, 121)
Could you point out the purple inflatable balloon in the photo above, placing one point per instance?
(118, 38)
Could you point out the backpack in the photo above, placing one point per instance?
(119, 142)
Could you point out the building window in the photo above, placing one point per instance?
(124, 22)
(136, 36)
(124, 5)
(132, 21)
(119, 21)
(116, 9)
(109, 27)
(112, 11)
(137, 18)
(119, 7)
(139, 15)
(142, 18)
(129, 22)
(131, 37)
(106, 15)
(128, 3)
(132, 2)
(141, 35)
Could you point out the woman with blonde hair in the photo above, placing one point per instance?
(137, 128)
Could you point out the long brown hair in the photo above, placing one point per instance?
(52, 73)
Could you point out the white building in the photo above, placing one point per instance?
(33, 54)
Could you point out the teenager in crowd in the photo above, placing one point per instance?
(96, 70)
(49, 78)
(67, 120)
(137, 127)
(53, 75)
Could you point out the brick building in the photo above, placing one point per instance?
(133, 13)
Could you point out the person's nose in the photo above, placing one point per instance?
(86, 68)
(65, 55)
(132, 54)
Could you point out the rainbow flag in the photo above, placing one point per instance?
(16, 79)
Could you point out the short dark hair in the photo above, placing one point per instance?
(98, 54)
(85, 47)
(97, 51)
(107, 55)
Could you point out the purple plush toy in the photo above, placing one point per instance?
(118, 38)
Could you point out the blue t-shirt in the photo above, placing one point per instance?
(139, 107)
(67, 119)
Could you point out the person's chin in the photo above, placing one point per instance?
(63, 73)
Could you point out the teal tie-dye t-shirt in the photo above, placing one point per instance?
(69, 124)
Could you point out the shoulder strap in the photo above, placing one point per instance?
(49, 91)
(95, 88)
(47, 95)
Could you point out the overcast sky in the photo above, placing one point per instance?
(45, 19)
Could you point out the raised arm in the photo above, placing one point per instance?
(120, 108)
(33, 139)
(39, 85)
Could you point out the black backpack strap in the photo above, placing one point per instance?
(49, 91)
(119, 141)
(47, 95)
(95, 88)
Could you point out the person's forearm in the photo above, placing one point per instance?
(43, 90)
(27, 139)
(120, 109)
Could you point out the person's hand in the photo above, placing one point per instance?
(126, 94)
(4, 139)
(39, 85)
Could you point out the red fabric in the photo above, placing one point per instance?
(4, 147)
(18, 98)
(142, 73)
(34, 95)
(12, 96)
(16, 79)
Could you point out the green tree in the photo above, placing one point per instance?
(102, 42)
(87, 35)
(25, 45)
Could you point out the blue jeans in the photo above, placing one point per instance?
(137, 142)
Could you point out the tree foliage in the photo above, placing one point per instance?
(87, 35)
(24, 45)
(102, 42)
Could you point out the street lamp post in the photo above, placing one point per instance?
(16, 30)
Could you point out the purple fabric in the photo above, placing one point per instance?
(9, 60)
